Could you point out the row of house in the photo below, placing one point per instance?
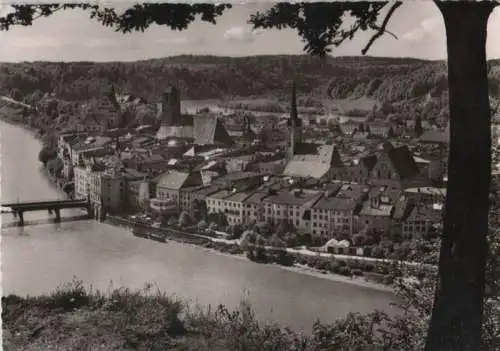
(337, 208)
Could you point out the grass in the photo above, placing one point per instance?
(76, 318)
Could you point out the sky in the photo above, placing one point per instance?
(72, 36)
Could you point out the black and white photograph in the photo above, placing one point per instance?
(250, 176)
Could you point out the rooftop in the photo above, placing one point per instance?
(292, 197)
(379, 211)
(427, 190)
(335, 203)
(172, 179)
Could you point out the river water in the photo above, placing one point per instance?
(38, 258)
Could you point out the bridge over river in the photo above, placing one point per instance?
(55, 206)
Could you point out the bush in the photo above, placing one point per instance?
(237, 232)
(377, 252)
(202, 225)
(46, 154)
(184, 219)
(357, 272)
(346, 271)
(359, 240)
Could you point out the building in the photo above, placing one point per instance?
(379, 129)
(209, 130)
(426, 195)
(239, 180)
(112, 190)
(66, 140)
(350, 127)
(421, 219)
(170, 183)
(172, 122)
(272, 167)
(438, 137)
(362, 171)
(378, 208)
(211, 170)
(104, 187)
(229, 202)
(239, 164)
(253, 206)
(395, 168)
(333, 215)
(305, 160)
(90, 147)
(290, 205)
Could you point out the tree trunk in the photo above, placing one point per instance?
(456, 322)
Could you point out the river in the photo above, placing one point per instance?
(38, 258)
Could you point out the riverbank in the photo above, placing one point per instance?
(35, 133)
(233, 249)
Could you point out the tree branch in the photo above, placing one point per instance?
(382, 28)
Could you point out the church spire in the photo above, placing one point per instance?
(294, 116)
(293, 112)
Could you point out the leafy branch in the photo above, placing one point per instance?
(320, 25)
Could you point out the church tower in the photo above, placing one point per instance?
(294, 127)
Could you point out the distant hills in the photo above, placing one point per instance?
(208, 77)
(404, 87)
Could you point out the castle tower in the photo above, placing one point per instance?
(294, 127)
(171, 107)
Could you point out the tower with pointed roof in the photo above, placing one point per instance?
(294, 127)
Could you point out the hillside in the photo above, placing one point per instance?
(76, 318)
(207, 77)
(404, 87)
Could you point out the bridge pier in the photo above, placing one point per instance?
(21, 218)
(58, 214)
(50, 211)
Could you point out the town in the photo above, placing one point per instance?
(324, 181)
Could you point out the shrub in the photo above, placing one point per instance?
(46, 154)
(357, 272)
(202, 225)
(346, 271)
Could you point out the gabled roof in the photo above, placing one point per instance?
(209, 130)
(320, 153)
(403, 162)
(335, 204)
(380, 211)
(306, 169)
(293, 198)
(368, 162)
(436, 137)
(172, 179)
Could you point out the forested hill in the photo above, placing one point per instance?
(204, 77)
(405, 85)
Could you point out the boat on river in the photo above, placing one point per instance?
(157, 236)
(149, 233)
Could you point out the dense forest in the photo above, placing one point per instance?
(404, 87)
(212, 77)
